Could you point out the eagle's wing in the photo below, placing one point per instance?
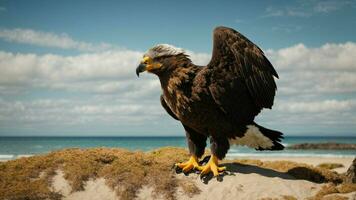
(169, 111)
(236, 60)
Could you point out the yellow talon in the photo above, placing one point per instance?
(212, 166)
(192, 163)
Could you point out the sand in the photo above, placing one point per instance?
(93, 189)
(242, 182)
(255, 183)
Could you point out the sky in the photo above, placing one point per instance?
(67, 68)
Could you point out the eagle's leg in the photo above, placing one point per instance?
(219, 147)
(196, 143)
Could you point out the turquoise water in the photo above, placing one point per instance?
(13, 147)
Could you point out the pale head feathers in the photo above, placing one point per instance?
(163, 50)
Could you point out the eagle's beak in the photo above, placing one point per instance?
(140, 68)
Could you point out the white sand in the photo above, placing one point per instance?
(60, 184)
(93, 189)
(146, 193)
(350, 196)
(254, 183)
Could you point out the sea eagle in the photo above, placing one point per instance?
(218, 101)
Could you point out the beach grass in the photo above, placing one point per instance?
(126, 172)
(330, 165)
(334, 190)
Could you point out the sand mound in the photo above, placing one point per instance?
(104, 173)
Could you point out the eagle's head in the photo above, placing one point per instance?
(160, 58)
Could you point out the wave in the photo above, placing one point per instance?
(12, 156)
(6, 157)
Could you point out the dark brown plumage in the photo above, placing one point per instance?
(220, 100)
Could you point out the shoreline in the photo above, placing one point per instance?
(229, 156)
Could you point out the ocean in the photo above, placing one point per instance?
(15, 147)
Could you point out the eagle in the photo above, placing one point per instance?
(218, 101)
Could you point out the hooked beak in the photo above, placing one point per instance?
(140, 68)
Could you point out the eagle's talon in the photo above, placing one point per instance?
(221, 169)
(191, 164)
(212, 166)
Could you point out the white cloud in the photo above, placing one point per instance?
(325, 106)
(308, 8)
(110, 70)
(47, 39)
(316, 89)
(329, 69)
(18, 68)
(199, 58)
(117, 96)
(332, 5)
(68, 112)
(329, 56)
(316, 86)
(285, 11)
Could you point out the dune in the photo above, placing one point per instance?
(108, 174)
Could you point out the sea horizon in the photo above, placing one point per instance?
(289, 136)
(12, 147)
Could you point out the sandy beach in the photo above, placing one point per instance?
(247, 182)
(121, 174)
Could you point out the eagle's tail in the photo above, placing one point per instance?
(274, 137)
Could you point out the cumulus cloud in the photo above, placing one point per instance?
(48, 39)
(328, 69)
(329, 56)
(25, 68)
(110, 70)
(316, 86)
(68, 113)
(116, 95)
(316, 106)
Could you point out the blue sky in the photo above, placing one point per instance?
(68, 67)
